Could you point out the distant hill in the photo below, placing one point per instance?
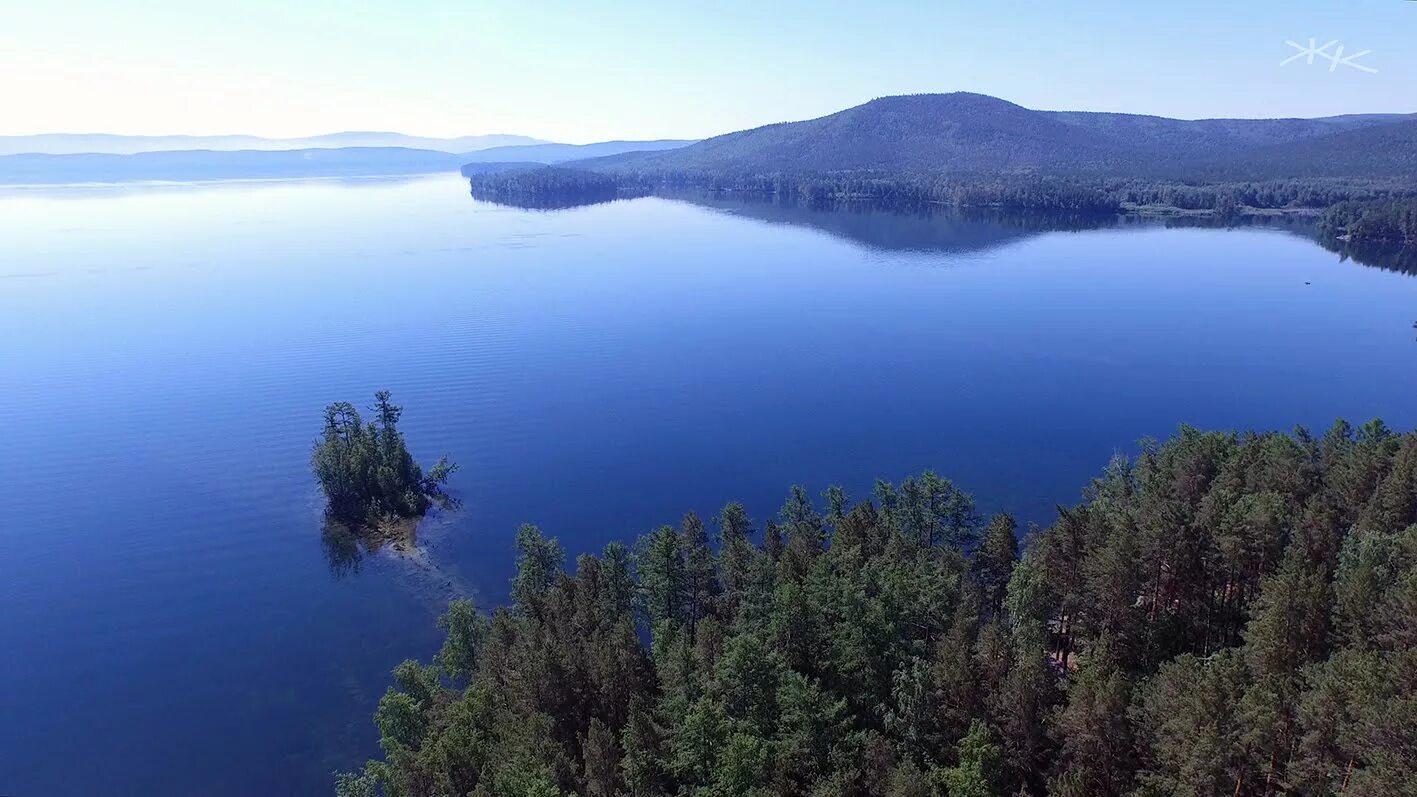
(192, 165)
(929, 132)
(497, 167)
(559, 153)
(965, 134)
(103, 143)
(329, 160)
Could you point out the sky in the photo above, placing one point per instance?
(641, 69)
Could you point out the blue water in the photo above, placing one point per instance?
(169, 623)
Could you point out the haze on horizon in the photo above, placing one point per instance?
(575, 74)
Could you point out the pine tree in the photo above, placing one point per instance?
(617, 593)
(1028, 697)
(1190, 736)
(642, 765)
(912, 715)
(601, 768)
(805, 534)
(994, 561)
(1092, 731)
(956, 681)
(465, 628)
(736, 554)
(977, 773)
(539, 565)
(696, 743)
(772, 541)
(663, 582)
(700, 584)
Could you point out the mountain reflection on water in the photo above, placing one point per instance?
(966, 230)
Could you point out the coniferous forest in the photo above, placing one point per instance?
(1375, 222)
(1224, 614)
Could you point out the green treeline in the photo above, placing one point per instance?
(1386, 222)
(1039, 192)
(564, 187)
(366, 471)
(1226, 614)
(1226, 197)
(889, 190)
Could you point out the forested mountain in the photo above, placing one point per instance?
(973, 134)
(1205, 137)
(1226, 614)
(971, 150)
(1387, 150)
(919, 133)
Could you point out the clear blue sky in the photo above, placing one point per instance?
(649, 69)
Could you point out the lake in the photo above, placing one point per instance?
(172, 621)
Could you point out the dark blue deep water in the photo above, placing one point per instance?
(169, 620)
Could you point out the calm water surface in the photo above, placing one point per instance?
(169, 622)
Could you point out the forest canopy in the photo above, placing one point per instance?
(1226, 614)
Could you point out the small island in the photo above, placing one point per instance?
(547, 187)
(374, 490)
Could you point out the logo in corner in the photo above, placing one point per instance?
(1331, 52)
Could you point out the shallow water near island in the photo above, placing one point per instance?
(172, 622)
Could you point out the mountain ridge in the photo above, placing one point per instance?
(558, 153)
(363, 161)
(964, 133)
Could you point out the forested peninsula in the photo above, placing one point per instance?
(1223, 614)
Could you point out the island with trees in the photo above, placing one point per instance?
(1223, 614)
(374, 490)
(545, 187)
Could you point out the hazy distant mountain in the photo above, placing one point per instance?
(189, 165)
(974, 134)
(459, 145)
(74, 143)
(927, 135)
(335, 154)
(558, 153)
